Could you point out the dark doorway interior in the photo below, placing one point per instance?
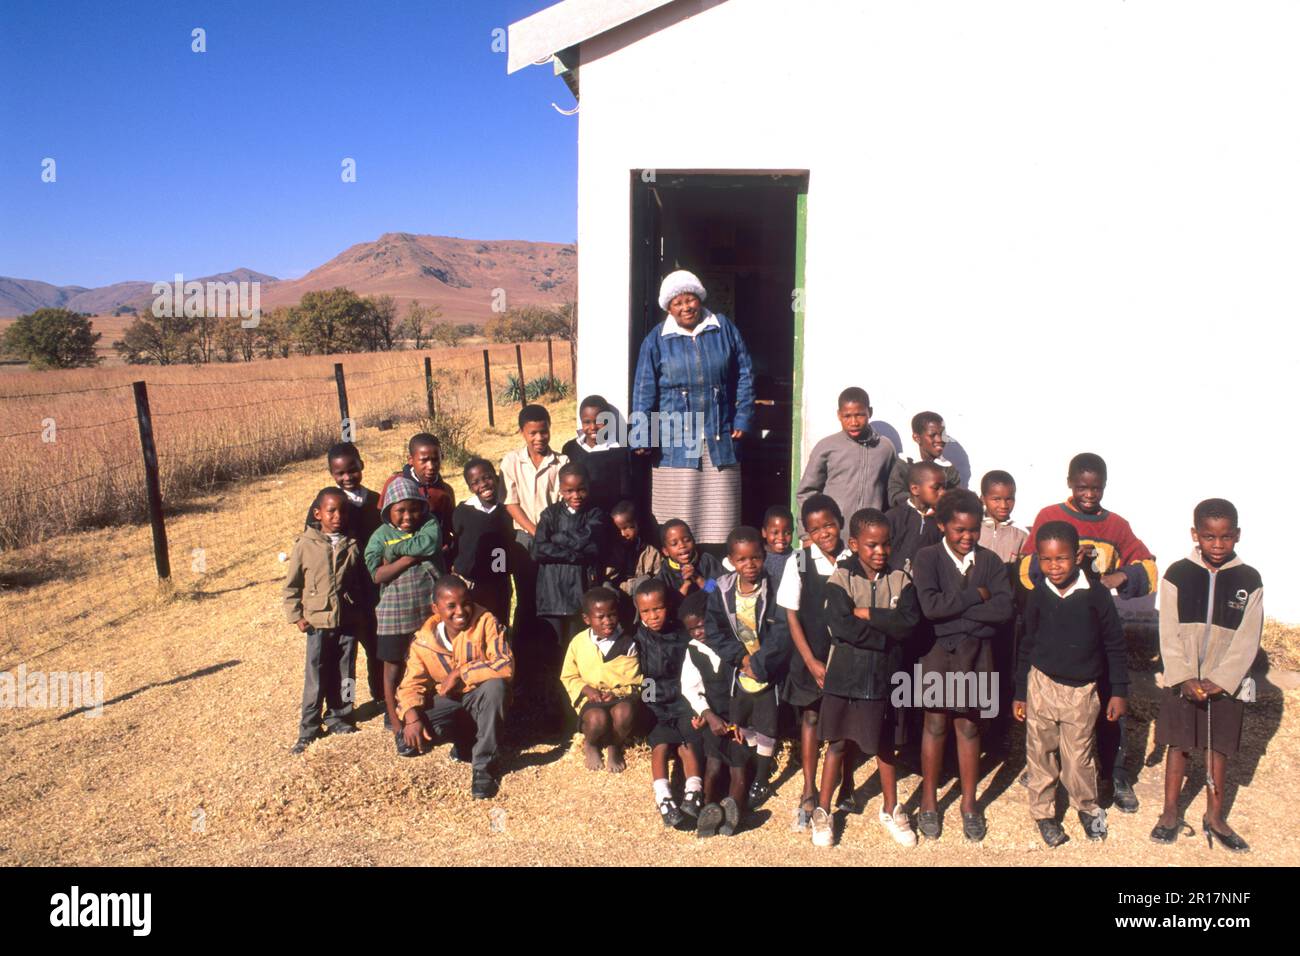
(738, 234)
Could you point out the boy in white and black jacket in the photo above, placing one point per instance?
(1211, 620)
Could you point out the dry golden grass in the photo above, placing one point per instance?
(189, 762)
(72, 452)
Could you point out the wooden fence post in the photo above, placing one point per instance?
(550, 361)
(487, 384)
(428, 384)
(153, 488)
(345, 420)
(519, 363)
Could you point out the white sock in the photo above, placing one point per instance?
(693, 784)
(661, 791)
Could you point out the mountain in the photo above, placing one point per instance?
(19, 296)
(461, 276)
(458, 275)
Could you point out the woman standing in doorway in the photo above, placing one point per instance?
(694, 367)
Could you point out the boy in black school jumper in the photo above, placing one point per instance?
(1211, 619)
(346, 468)
(854, 465)
(706, 686)
(325, 597)
(748, 630)
(928, 433)
(608, 466)
(662, 647)
(912, 524)
(1072, 638)
(484, 540)
(1121, 561)
(964, 595)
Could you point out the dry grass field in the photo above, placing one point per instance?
(70, 442)
(189, 762)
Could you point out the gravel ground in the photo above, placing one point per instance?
(189, 762)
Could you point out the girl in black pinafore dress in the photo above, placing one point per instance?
(803, 594)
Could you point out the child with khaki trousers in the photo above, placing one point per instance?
(1073, 638)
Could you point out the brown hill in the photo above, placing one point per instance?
(457, 275)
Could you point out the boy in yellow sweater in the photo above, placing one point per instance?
(602, 677)
(457, 682)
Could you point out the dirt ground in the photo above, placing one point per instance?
(189, 762)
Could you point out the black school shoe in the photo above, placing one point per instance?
(670, 813)
(710, 819)
(759, 791)
(692, 802)
(302, 745)
(342, 729)
(1171, 834)
(730, 816)
(403, 748)
(484, 786)
(973, 827)
(1053, 833)
(1124, 799)
(930, 824)
(1094, 824)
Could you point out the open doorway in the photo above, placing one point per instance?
(741, 234)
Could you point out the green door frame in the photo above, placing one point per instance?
(798, 303)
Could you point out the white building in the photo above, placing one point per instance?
(1069, 226)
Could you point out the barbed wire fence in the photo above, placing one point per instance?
(155, 460)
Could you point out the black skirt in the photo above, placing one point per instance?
(871, 724)
(1187, 725)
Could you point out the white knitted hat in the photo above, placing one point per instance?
(676, 283)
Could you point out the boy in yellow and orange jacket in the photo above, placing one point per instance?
(457, 682)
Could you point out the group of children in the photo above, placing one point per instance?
(893, 573)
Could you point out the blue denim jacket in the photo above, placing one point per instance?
(710, 373)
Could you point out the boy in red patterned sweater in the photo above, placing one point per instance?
(1117, 559)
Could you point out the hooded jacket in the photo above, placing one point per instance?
(1215, 618)
(769, 662)
(405, 601)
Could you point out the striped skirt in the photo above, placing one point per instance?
(706, 498)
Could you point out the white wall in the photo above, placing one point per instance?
(1066, 227)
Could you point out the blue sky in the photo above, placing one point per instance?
(174, 161)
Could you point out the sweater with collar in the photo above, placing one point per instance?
(1073, 636)
(950, 601)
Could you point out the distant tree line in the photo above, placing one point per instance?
(325, 322)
